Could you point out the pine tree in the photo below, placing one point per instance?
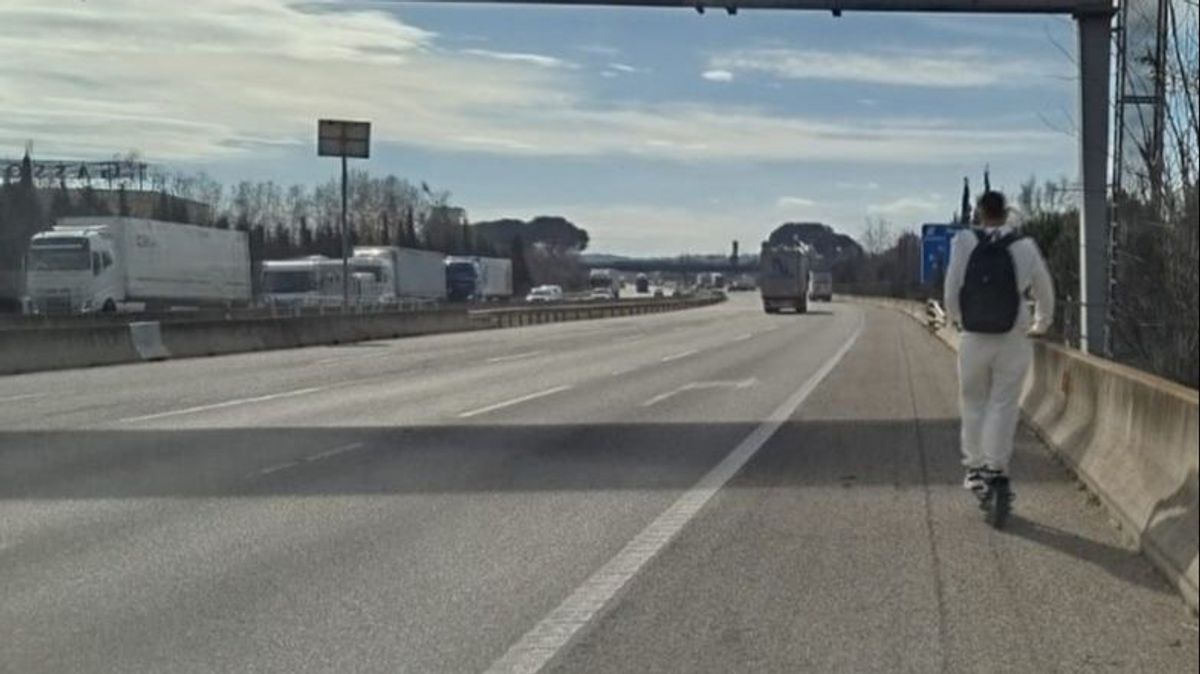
(306, 237)
(520, 268)
(20, 218)
(60, 203)
(122, 202)
(281, 246)
(410, 230)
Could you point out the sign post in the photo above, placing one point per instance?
(341, 138)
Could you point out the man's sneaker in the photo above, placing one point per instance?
(975, 481)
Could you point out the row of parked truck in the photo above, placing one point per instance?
(103, 264)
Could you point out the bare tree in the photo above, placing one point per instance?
(878, 236)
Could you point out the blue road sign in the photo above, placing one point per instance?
(935, 250)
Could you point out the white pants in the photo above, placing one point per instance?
(991, 371)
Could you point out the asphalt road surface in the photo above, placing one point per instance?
(715, 490)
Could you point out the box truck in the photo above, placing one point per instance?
(820, 287)
(783, 277)
(105, 264)
(605, 284)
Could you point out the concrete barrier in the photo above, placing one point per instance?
(90, 343)
(1132, 438)
(63, 348)
(147, 340)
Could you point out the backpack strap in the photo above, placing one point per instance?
(1009, 239)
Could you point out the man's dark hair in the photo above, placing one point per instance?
(993, 205)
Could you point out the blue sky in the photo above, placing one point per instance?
(659, 131)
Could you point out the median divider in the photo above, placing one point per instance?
(1133, 439)
(89, 343)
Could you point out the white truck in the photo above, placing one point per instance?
(783, 277)
(305, 282)
(478, 279)
(107, 264)
(404, 273)
(820, 286)
(605, 284)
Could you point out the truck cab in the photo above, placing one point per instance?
(375, 278)
(73, 270)
(462, 279)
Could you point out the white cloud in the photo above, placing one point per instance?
(717, 75)
(624, 68)
(540, 60)
(203, 81)
(943, 68)
(599, 49)
(793, 202)
(910, 208)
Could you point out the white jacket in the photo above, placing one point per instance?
(1032, 278)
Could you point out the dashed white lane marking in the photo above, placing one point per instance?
(700, 386)
(23, 396)
(220, 405)
(334, 452)
(538, 647)
(515, 356)
(278, 467)
(513, 401)
(742, 338)
(325, 454)
(621, 371)
(681, 354)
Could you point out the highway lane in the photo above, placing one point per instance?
(431, 501)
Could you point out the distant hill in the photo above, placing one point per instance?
(551, 230)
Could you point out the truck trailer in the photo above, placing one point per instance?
(478, 279)
(783, 277)
(404, 273)
(108, 264)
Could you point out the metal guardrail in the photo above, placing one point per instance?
(52, 321)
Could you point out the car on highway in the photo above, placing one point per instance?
(546, 293)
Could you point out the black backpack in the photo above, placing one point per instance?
(989, 299)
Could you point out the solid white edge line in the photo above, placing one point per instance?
(539, 646)
(513, 401)
(216, 406)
